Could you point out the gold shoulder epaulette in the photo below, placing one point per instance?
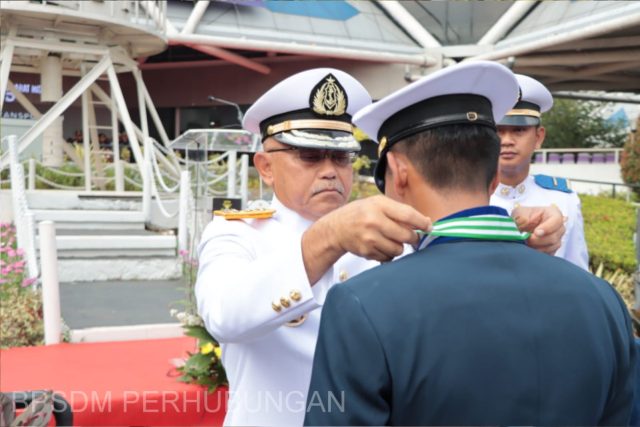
(245, 214)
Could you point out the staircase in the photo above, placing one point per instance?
(102, 237)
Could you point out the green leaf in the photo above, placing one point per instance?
(199, 332)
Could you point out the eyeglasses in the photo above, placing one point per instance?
(313, 156)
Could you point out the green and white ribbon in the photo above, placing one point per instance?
(485, 227)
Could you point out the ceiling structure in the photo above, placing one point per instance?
(568, 45)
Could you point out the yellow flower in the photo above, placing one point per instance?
(207, 348)
(218, 351)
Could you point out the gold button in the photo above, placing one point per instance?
(276, 307)
(343, 276)
(295, 295)
(285, 302)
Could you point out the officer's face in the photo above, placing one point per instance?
(310, 185)
(517, 144)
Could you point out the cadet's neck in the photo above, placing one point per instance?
(439, 204)
(513, 176)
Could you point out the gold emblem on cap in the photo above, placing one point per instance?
(472, 116)
(329, 98)
(383, 144)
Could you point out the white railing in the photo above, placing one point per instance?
(23, 217)
(150, 14)
(169, 180)
(577, 155)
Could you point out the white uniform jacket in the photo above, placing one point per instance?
(529, 193)
(249, 269)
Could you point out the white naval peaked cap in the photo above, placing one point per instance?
(534, 100)
(478, 92)
(311, 109)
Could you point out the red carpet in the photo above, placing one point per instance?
(129, 383)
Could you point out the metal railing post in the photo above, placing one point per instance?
(32, 174)
(50, 285)
(30, 247)
(183, 234)
(244, 179)
(231, 171)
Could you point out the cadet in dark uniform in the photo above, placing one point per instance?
(474, 328)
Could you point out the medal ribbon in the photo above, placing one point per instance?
(484, 227)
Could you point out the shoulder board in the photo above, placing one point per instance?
(553, 183)
(245, 214)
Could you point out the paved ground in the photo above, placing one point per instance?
(117, 303)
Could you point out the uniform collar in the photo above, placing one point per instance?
(507, 192)
(293, 220)
(481, 211)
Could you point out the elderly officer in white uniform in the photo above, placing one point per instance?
(521, 134)
(261, 281)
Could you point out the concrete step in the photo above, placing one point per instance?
(95, 200)
(92, 219)
(114, 246)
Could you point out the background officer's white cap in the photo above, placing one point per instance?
(311, 109)
(477, 93)
(534, 99)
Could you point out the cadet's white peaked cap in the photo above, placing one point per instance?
(478, 93)
(534, 99)
(311, 109)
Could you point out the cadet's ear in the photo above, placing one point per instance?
(540, 134)
(398, 172)
(262, 163)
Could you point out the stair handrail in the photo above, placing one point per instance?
(158, 174)
(22, 215)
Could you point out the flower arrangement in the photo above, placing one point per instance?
(20, 307)
(204, 365)
(12, 263)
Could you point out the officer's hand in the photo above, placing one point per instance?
(546, 225)
(376, 227)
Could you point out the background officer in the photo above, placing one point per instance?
(521, 133)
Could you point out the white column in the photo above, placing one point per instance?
(30, 249)
(52, 144)
(32, 174)
(51, 78)
(50, 285)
